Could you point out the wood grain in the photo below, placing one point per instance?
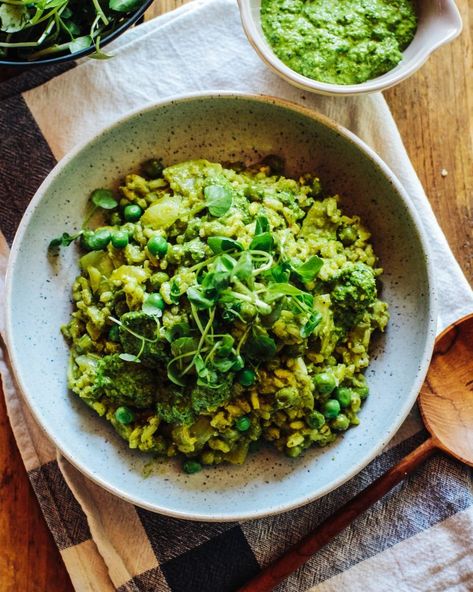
(434, 112)
(446, 399)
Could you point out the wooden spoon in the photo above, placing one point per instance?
(446, 405)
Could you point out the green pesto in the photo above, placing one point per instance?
(339, 41)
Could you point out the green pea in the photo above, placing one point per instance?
(156, 300)
(114, 333)
(96, 241)
(247, 377)
(153, 168)
(340, 423)
(286, 397)
(315, 420)
(343, 395)
(158, 246)
(331, 408)
(120, 239)
(348, 235)
(101, 238)
(325, 383)
(124, 415)
(363, 392)
(132, 213)
(191, 466)
(243, 424)
(87, 240)
(293, 452)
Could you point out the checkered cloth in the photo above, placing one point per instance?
(418, 538)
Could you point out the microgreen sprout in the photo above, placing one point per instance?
(36, 29)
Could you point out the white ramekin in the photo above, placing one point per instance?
(439, 23)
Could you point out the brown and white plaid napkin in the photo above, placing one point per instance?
(417, 539)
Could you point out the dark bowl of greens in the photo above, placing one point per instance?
(55, 31)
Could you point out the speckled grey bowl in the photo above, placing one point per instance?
(224, 127)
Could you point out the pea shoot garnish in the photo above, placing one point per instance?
(100, 199)
(206, 320)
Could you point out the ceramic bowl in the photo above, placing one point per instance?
(220, 127)
(439, 22)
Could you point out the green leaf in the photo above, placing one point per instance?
(13, 17)
(174, 374)
(218, 199)
(262, 225)
(244, 267)
(184, 345)
(80, 43)
(306, 299)
(63, 241)
(222, 244)
(311, 324)
(260, 347)
(276, 291)
(280, 273)
(129, 358)
(308, 270)
(151, 309)
(262, 242)
(224, 263)
(225, 345)
(103, 198)
(198, 299)
(214, 283)
(175, 293)
(225, 364)
(125, 5)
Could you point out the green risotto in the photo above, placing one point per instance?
(339, 41)
(218, 308)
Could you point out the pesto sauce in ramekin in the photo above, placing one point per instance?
(339, 41)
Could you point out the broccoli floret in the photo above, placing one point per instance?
(181, 407)
(353, 292)
(126, 383)
(152, 352)
(206, 399)
(174, 407)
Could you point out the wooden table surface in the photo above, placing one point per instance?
(434, 112)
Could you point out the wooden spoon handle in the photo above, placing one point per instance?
(297, 555)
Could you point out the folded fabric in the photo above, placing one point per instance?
(416, 539)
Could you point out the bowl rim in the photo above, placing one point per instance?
(411, 66)
(82, 52)
(430, 329)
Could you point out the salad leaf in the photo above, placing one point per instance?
(198, 299)
(13, 17)
(218, 200)
(260, 347)
(103, 198)
(262, 242)
(125, 5)
(308, 270)
(262, 225)
(80, 43)
(63, 241)
(222, 244)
